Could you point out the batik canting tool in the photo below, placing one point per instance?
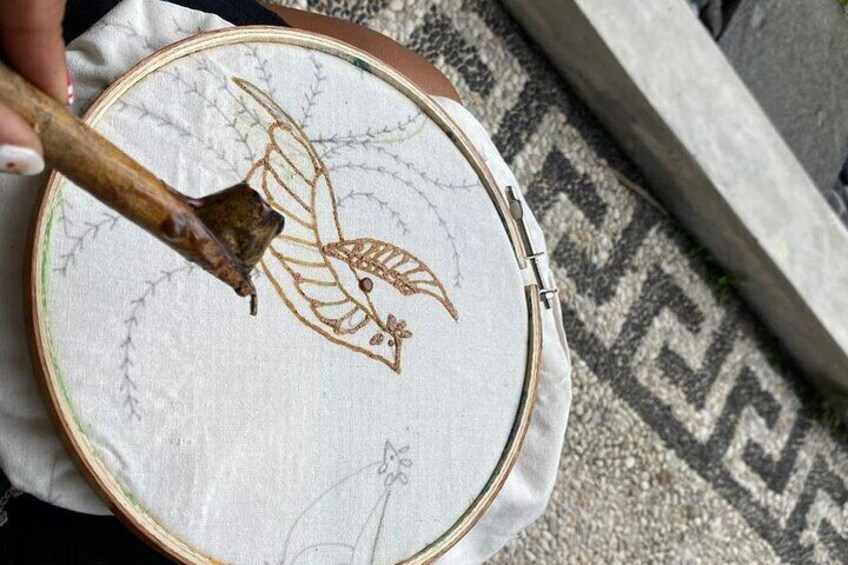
(226, 232)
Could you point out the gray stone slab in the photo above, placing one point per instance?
(657, 79)
(793, 56)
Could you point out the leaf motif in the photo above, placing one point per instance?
(398, 267)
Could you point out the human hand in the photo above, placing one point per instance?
(31, 43)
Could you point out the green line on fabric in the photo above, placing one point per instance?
(44, 298)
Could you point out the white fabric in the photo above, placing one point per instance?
(200, 410)
(29, 451)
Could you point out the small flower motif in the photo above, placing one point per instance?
(394, 464)
(397, 328)
(401, 332)
(377, 339)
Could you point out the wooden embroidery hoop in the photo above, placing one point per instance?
(47, 373)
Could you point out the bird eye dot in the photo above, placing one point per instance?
(366, 284)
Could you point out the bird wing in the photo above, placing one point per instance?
(296, 183)
(398, 267)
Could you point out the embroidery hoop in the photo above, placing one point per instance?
(47, 372)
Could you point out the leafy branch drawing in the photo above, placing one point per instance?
(315, 90)
(90, 231)
(194, 89)
(421, 173)
(395, 167)
(161, 120)
(186, 32)
(245, 112)
(389, 133)
(262, 68)
(130, 31)
(435, 210)
(129, 386)
(382, 204)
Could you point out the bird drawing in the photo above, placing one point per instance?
(329, 282)
(364, 498)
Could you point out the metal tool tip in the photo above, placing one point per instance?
(254, 304)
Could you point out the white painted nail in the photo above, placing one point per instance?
(71, 96)
(20, 160)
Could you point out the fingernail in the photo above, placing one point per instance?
(70, 88)
(20, 160)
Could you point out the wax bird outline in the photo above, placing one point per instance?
(324, 278)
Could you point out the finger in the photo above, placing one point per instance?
(31, 42)
(20, 149)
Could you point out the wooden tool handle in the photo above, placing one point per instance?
(96, 165)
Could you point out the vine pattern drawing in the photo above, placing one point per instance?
(79, 233)
(129, 386)
(363, 496)
(230, 155)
